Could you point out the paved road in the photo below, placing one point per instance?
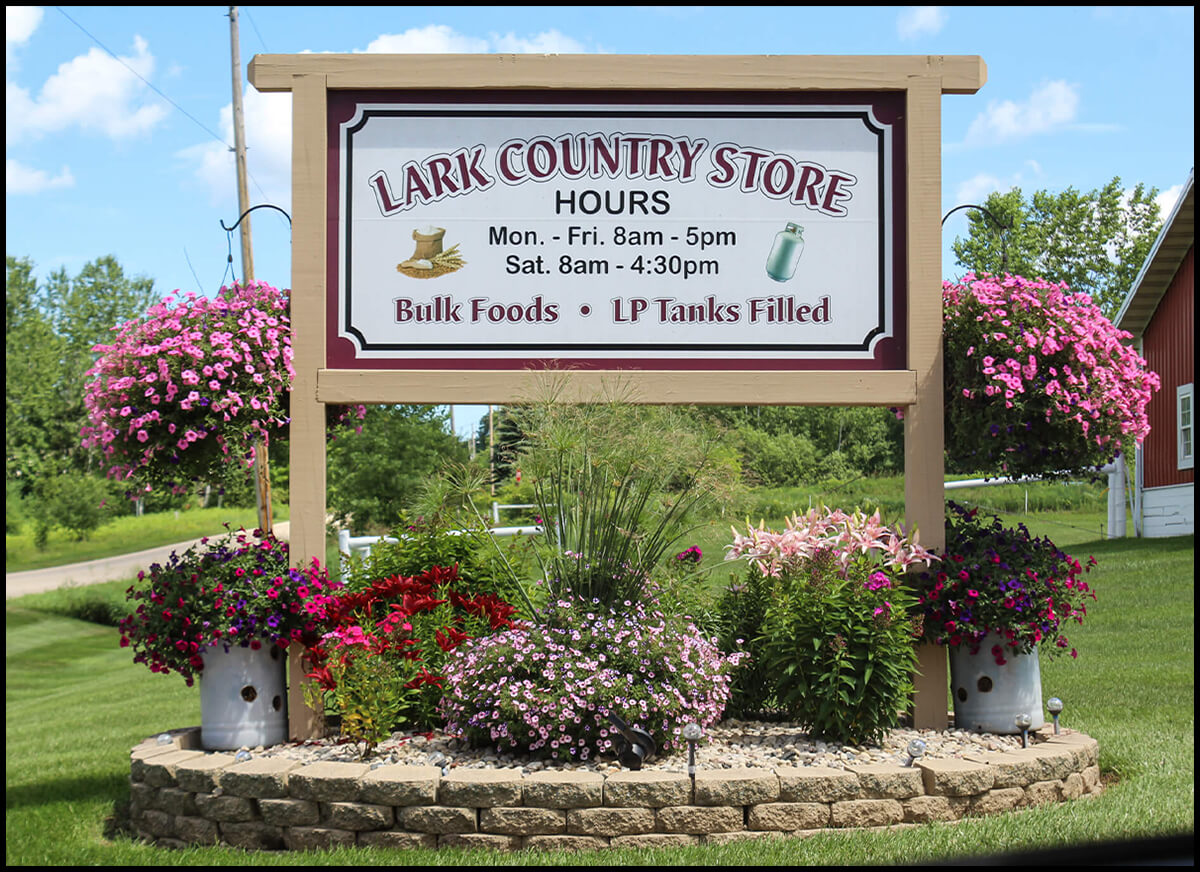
(96, 571)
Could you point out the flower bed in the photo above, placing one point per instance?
(181, 796)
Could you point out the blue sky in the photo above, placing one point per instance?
(129, 156)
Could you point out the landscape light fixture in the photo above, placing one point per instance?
(916, 749)
(1024, 722)
(691, 734)
(638, 745)
(1054, 705)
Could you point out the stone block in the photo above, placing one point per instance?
(609, 821)
(647, 789)
(326, 782)
(315, 838)
(289, 812)
(564, 843)
(1056, 761)
(1014, 769)
(177, 801)
(1043, 792)
(925, 809)
(357, 816)
(436, 819)
(1087, 748)
(736, 787)
(1072, 786)
(480, 788)
(400, 785)
(159, 770)
(197, 830)
(788, 816)
(523, 821)
(698, 819)
(142, 795)
(147, 750)
(816, 784)
(568, 789)
(997, 800)
(202, 774)
(263, 778)
(951, 777)
(156, 824)
(888, 781)
(1091, 779)
(867, 813)
(655, 840)
(252, 835)
(493, 841)
(395, 839)
(218, 807)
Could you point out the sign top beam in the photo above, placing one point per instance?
(959, 74)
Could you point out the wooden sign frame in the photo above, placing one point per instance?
(917, 388)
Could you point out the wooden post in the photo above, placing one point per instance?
(924, 441)
(308, 348)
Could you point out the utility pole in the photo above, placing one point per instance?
(262, 474)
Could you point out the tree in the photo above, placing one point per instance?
(378, 472)
(49, 335)
(1096, 241)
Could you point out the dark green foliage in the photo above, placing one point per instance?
(742, 614)
(377, 473)
(1095, 241)
(70, 500)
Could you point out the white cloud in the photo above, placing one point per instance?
(268, 151)
(442, 39)
(19, 24)
(434, 39)
(20, 179)
(94, 92)
(918, 21)
(547, 42)
(1051, 106)
(977, 188)
(1166, 200)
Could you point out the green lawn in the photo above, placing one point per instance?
(75, 704)
(125, 534)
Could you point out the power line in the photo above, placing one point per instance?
(151, 86)
(147, 83)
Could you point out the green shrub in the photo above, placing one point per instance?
(835, 644)
(841, 652)
(73, 501)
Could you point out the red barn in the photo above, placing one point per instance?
(1158, 312)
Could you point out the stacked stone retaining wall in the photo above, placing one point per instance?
(184, 796)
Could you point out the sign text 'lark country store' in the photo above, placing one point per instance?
(601, 233)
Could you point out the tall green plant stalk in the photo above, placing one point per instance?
(617, 485)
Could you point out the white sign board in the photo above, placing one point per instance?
(614, 232)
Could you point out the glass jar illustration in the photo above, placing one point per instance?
(785, 253)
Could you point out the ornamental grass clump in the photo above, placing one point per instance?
(548, 687)
(236, 590)
(195, 382)
(618, 485)
(824, 613)
(1000, 580)
(382, 664)
(1037, 380)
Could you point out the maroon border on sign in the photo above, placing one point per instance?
(887, 106)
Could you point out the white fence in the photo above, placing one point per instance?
(1116, 494)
